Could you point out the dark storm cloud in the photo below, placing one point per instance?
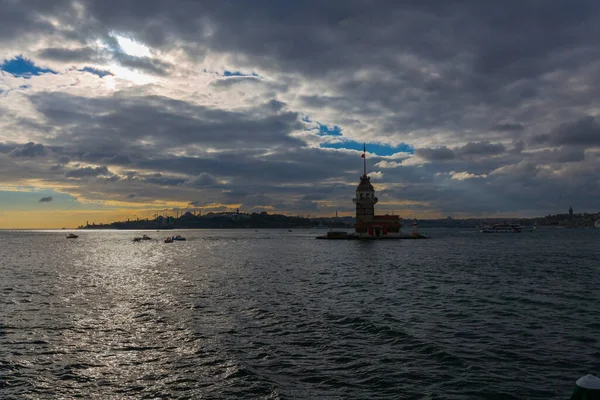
(468, 150)
(86, 172)
(99, 72)
(313, 36)
(313, 197)
(119, 159)
(479, 54)
(18, 19)
(434, 72)
(435, 154)
(582, 132)
(146, 64)
(46, 199)
(230, 82)
(29, 150)
(562, 155)
(119, 121)
(64, 159)
(508, 127)
(481, 148)
(69, 55)
(163, 180)
(202, 180)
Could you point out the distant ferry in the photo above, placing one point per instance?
(505, 228)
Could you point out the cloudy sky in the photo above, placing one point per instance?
(112, 109)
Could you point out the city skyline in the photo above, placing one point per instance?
(113, 110)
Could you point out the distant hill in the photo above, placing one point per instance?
(227, 221)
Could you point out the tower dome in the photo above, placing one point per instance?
(365, 184)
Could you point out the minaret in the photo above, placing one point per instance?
(365, 195)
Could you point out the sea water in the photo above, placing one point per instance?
(278, 315)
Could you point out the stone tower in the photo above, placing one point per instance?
(365, 199)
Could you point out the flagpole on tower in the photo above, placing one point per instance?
(364, 156)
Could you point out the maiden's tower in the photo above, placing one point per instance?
(368, 225)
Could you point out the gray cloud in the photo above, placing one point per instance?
(204, 179)
(437, 73)
(147, 64)
(63, 159)
(562, 155)
(582, 132)
(70, 55)
(508, 127)
(29, 150)
(46, 199)
(435, 154)
(120, 121)
(86, 172)
(481, 148)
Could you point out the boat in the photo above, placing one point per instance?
(72, 236)
(502, 228)
(146, 237)
(178, 237)
(137, 239)
(597, 224)
(169, 240)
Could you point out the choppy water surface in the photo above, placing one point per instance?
(274, 314)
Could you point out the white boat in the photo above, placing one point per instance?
(72, 236)
(178, 237)
(502, 228)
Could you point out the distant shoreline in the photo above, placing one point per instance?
(263, 220)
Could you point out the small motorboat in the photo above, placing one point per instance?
(144, 237)
(169, 240)
(178, 237)
(72, 236)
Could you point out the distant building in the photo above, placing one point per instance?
(570, 212)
